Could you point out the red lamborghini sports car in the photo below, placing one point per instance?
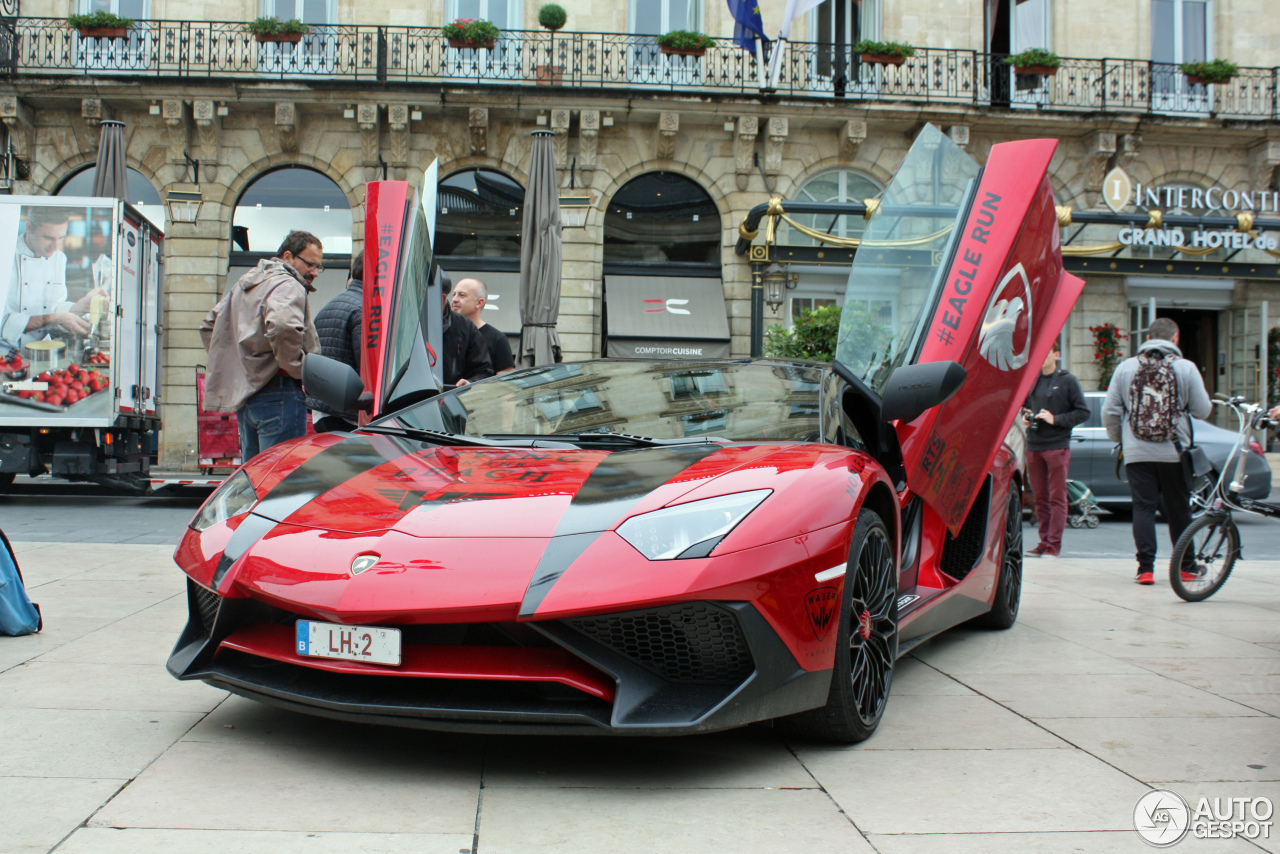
(649, 547)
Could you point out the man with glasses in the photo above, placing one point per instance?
(257, 336)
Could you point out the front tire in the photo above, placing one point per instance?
(1004, 611)
(866, 640)
(1207, 552)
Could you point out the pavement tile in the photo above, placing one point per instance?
(1099, 842)
(106, 840)
(36, 812)
(1048, 600)
(87, 585)
(912, 676)
(973, 723)
(752, 758)
(658, 821)
(87, 743)
(1268, 704)
(167, 616)
(317, 788)
(14, 651)
(1018, 650)
(1125, 634)
(1264, 632)
(1202, 749)
(974, 791)
(111, 645)
(50, 685)
(1082, 696)
(1221, 676)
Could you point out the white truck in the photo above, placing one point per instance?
(81, 285)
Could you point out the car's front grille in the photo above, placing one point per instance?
(692, 642)
(207, 601)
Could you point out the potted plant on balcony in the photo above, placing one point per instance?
(685, 43)
(883, 53)
(276, 31)
(1217, 71)
(552, 17)
(471, 33)
(100, 25)
(1037, 61)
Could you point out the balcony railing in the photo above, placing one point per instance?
(187, 49)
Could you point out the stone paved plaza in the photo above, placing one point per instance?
(1038, 739)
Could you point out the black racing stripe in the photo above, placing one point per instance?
(332, 467)
(608, 494)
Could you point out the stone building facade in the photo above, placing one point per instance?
(381, 95)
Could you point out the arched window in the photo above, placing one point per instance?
(479, 215)
(840, 185)
(288, 199)
(662, 218)
(142, 194)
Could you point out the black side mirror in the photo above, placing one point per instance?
(912, 389)
(334, 383)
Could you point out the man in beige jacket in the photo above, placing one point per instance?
(257, 336)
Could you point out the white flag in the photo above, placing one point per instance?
(795, 8)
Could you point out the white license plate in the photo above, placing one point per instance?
(350, 643)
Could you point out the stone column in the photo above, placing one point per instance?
(581, 289)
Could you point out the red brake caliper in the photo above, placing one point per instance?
(864, 625)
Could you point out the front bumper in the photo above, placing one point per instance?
(677, 669)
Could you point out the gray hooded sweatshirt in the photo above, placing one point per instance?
(1115, 412)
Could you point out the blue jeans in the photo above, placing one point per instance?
(272, 414)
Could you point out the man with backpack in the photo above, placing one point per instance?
(1150, 403)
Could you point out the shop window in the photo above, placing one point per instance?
(479, 215)
(662, 218)
(287, 199)
(141, 194)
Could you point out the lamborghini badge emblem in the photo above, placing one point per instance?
(362, 563)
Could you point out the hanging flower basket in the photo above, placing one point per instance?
(683, 51)
(1037, 70)
(277, 38)
(883, 59)
(462, 44)
(103, 32)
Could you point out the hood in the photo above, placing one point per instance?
(1166, 347)
(270, 268)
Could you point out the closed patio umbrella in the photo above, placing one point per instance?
(540, 258)
(111, 180)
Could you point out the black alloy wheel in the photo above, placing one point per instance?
(866, 640)
(1204, 556)
(1004, 610)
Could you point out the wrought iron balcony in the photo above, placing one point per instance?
(42, 47)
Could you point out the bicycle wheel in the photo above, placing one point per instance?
(1204, 556)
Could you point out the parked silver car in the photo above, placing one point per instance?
(1093, 458)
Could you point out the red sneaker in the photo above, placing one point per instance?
(1196, 573)
(1147, 577)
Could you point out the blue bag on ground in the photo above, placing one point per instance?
(18, 615)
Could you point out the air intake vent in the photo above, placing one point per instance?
(207, 601)
(694, 642)
(960, 554)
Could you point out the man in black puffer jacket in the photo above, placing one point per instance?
(338, 326)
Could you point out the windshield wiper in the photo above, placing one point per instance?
(617, 439)
(439, 437)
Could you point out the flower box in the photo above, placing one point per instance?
(1038, 70)
(683, 51)
(103, 32)
(550, 75)
(466, 45)
(276, 38)
(1197, 80)
(883, 58)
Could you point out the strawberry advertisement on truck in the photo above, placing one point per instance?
(81, 283)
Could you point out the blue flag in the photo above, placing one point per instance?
(747, 25)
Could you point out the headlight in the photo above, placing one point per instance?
(670, 532)
(234, 497)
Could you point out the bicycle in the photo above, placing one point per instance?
(1208, 549)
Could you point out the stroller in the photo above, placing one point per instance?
(1082, 509)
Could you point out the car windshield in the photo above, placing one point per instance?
(905, 251)
(737, 401)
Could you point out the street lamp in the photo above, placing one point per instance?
(574, 206)
(776, 278)
(183, 205)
